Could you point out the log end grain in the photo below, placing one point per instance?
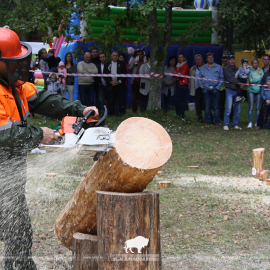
(142, 143)
(263, 175)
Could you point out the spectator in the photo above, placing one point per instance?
(181, 86)
(58, 60)
(101, 83)
(122, 57)
(194, 87)
(53, 83)
(115, 85)
(135, 82)
(95, 57)
(62, 75)
(254, 92)
(242, 75)
(168, 82)
(31, 77)
(231, 93)
(145, 84)
(266, 71)
(44, 67)
(52, 61)
(132, 53)
(211, 89)
(86, 83)
(266, 103)
(71, 68)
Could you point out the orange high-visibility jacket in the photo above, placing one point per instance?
(9, 113)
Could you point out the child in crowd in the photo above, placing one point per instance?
(242, 75)
(62, 72)
(52, 61)
(53, 83)
(266, 103)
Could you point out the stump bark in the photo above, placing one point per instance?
(84, 252)
(141, 147)
(258, 161)
(128, 231)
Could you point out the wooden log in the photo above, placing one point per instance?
(84, 252)
(128, 230)
(258, 161)
(141, 147)
(164, 183)
(263, 175)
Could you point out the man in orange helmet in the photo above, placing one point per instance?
(17, 99)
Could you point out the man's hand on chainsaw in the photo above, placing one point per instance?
(49, 135)
(88, 109)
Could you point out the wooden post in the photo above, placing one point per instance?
(258, 161)
(128, 231)
(141, 148)
(84, 252)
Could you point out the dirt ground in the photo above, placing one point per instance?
(47, 196)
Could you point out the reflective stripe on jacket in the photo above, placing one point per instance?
(9, 113)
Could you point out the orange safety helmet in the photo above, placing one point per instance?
(16, 55)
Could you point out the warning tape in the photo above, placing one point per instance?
(148, 76)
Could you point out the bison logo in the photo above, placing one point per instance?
(138, 242)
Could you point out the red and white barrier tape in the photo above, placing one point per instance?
(148, 76)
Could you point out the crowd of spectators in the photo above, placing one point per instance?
(220, 101)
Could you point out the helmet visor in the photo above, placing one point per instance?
(18, 68)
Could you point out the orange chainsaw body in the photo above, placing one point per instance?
(68, 121)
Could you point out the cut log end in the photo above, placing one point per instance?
(263, 175)
(142, 143)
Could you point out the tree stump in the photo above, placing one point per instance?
(141, 147)
(258, 161)
(84, 252)
(128, 231)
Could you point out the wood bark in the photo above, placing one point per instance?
(258, 160)
(128, 231)
(141, 147)
(84, 252)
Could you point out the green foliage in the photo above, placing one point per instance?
(249, 21)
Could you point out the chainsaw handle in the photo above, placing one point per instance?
(103, 118)
(78, 127)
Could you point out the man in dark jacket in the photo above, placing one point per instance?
(101, 83)
(18, 99)
(115, 85)
(231, 92)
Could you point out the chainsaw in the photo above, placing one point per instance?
(93, 134)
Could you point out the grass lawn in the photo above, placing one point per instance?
(216, 217)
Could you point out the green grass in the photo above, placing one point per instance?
(214, 150)
(204, 224)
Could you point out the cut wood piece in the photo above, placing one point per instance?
(263, 175)
(258, 161)
(159, 173)
(141, 147)
(267, 182)
(164, 183)
(193, 167)
(84, 252)
(51, 174)
(128, 231)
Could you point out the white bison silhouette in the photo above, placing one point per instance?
(138, 242)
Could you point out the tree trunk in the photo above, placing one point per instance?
(128, 227)
(84, 252)
(141, 147)
(158, 54)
